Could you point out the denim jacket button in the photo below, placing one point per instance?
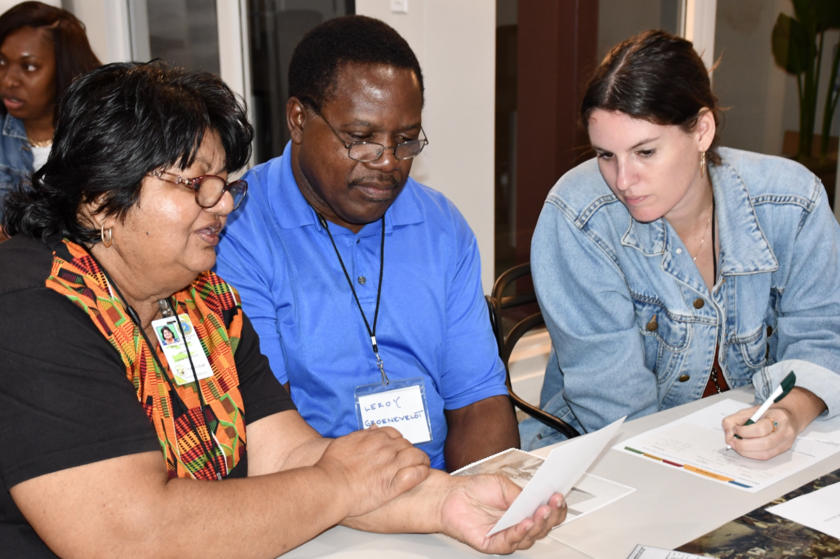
(652, 325)
(698, 303)
(684, 378)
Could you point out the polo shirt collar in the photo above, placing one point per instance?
(745, 249)
(291, 209)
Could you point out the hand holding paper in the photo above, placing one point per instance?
(476, 505)
(563, 467)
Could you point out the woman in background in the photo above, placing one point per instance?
(669, 269)
(42, 49)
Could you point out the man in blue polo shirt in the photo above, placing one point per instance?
(363, 284)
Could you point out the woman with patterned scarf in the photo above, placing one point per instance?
(120, 440)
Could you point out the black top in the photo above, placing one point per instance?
(65, 400)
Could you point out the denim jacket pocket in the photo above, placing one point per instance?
(666, 337)
(749, 353)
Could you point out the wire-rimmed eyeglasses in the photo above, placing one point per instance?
(208, 189)
(365, 152)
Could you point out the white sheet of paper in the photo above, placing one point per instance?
(828, 430)
(818, 510)
(695, 444)
(563, 467)
(401, 409)
(647, 552)
(591, 493)
(821, 430)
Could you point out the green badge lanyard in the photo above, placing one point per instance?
(371, 332)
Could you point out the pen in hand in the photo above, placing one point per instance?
(781, 391)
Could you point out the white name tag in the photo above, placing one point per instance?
(401, 405)
(175, 350)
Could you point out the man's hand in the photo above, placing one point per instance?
(373, 466)
(776, 432)
(474, 505)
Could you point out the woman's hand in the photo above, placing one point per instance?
(373, 466)
(474, 505)
(776, 432)
(770, 436)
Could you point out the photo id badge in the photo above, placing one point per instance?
(169, 336)
(401, 405)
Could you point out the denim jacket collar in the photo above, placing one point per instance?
(745, 249)
(13, 128)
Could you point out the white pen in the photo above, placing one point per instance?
(781, 391)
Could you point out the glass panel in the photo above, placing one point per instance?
(275, 27)
(505, 171)
(619, 20)
(182, 32)
(763, 111)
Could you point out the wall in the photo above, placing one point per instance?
(454, 41)
(761, 108)
(107, 27)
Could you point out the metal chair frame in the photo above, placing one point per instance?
(496, 303)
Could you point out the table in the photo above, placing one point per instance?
(668, 508)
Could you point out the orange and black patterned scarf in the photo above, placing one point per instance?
(214, 310)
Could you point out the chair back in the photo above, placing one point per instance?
(497, 304)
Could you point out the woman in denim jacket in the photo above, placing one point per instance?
(669, 269)
(42, 49)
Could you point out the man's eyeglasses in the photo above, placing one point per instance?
(209, 189)
(365, 152)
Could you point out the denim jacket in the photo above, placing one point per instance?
(634, 326)
(15, 157)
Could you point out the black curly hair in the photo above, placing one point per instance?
(325, 49)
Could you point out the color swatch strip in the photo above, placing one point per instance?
(688, 467)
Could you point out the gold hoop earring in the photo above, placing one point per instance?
(107, 238)
(703, 165)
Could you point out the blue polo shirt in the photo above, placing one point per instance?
(433, 320)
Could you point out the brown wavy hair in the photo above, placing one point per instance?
(657, 77)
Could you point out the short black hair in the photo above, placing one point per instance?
(73, 55)
(116, 124)
(654, 76)
(326, 48)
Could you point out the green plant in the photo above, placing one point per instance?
(798, 48)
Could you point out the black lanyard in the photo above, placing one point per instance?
(371, 332)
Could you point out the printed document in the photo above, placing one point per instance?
(647, 552)
(695, 444)
(818, 510)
